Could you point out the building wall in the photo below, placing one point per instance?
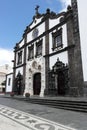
(83, 34)
(32, 69)
(17, 57)
(2, 79)
(9, 81)
(64, 55)
(68, 52)
(4, 69)
(41, 29)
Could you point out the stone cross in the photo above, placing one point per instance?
(37, 7)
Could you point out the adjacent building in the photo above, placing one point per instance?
(4, 69)
(47, 60)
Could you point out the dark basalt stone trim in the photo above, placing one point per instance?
(60, 51)
(51, 15)
(18, 49)
(58, 32)
(27, 30)
(67, 17)
(9, 74)
(47, 32)
(17, 44)
(19, 66)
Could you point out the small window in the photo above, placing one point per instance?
(39, 48)
(57, 39)
(9, 81)
(31, 52)
(19, 57)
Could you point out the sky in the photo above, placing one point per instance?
(15, 15)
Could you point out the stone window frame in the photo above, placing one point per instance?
(56, 36)
(19, 58)
(31, 50)
(39, 47)
(9, 81)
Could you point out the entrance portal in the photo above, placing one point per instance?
(37, 84)
(61, 83)
(59, 78)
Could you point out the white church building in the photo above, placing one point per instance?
(47, 60)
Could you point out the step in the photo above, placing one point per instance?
(74, 105)
(62, 105)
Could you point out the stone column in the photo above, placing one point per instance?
(14, 65)
(47, 57)
(24, 67)
(74, 54)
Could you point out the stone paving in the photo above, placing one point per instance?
(23, 115)
(30, 121)
(6, 123)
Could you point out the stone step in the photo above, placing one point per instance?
(69, 105)
(64, 103)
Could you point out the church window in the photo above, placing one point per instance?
(19, 57)
(57, 39)
(39, 48)
(9, 81)
(31, 52)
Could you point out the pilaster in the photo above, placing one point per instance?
(46, 58)
(24, 67)
(74, 54)
(14, 65)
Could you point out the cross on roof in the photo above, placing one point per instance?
(37, 7)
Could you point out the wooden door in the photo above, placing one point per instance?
(61, 83)
(37, 84)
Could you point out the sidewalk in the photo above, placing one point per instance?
(83, 99)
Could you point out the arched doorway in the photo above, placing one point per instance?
(37, 84)
(61, 83)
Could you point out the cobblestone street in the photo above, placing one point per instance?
(22, 115)
(29, 121)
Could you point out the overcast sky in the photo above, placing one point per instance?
(15, 15)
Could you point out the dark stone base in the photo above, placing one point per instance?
(71, 92)
(75, 92)
(50, 92)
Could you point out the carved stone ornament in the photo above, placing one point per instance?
(34, 64)
(35, 33)
(30, 70)
(39, 67)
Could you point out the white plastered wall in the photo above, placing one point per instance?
(64, 55)
(21, 43)
(41, 29)
(9, 87)
(20, 69)
(30, 70)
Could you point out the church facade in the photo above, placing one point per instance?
(47, 61)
